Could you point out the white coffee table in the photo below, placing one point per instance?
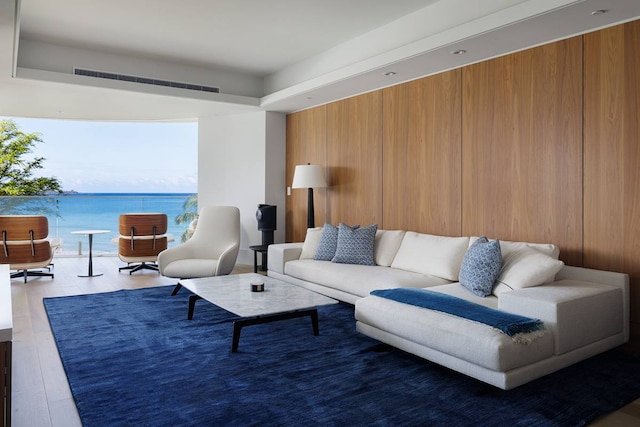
(279, 300)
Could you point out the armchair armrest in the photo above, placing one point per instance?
(170, 255)
(281, 253)
(227, 260)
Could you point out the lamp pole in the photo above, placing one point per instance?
(310, 214)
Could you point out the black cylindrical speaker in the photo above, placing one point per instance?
(266, 216)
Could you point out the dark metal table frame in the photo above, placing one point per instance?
(262, 249)
(259, 320)
(90, 233)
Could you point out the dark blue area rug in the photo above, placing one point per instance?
(132, 359)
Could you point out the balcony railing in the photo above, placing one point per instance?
(73, 212)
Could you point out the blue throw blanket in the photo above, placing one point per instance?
(510, 324)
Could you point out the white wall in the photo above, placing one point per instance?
(241, 162)
(62, 59)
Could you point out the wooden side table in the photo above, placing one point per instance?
(263, 249)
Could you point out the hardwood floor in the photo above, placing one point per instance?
(41, 395)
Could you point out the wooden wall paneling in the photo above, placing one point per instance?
(354, 159)
(422, 155)
(612, 155)
(522, 147)
(306, 143)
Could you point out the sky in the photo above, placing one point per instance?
(117, 157)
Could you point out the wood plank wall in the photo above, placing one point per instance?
(421, 155)
(541, 145)
(306, 143)
(522, 144)
(612, 155)
(354, 151)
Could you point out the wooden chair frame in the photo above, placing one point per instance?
(142, 237)
(25, 246)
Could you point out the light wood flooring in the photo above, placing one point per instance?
(41, 395)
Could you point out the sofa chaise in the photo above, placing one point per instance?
(583, 311)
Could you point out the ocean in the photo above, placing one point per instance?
(90, 211)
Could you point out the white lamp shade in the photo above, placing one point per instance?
(308, 176)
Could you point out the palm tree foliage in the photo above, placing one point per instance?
(190, 207)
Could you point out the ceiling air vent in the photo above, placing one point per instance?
(143, 80)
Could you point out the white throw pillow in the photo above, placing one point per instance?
(525, 267)
(439, 256)
(386, 246)
(506, 247)
(311, 241)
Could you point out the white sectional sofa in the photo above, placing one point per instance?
(584, 311)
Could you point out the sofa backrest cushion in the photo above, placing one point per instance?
(439, 256)
(386, 246)
(384, 250)
(524, 268)
(311, 242)
(506, 247)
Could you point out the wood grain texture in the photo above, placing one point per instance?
(422, 155)
(306, 143)
(20, 227)
(143, 224)
(139, 248)
(24, 253)
(612, 153)
(522, 147)
(354, 157)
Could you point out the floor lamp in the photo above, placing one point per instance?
(309, 176)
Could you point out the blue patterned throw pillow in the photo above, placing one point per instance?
(481, 266)
(355, 245)
(328, 242)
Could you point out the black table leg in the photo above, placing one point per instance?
(192, 305)
(255, 261)
(239, 324)
(90, 272)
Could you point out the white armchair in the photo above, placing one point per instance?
(211, 251)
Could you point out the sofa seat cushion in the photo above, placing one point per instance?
(461, 338)
(191, 268)
(357, 279)
(578, 313)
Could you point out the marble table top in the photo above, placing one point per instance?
(233, 293)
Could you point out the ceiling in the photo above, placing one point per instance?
(255, 36)
(278, 55)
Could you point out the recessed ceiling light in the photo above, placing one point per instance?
(390, 73)
(598, 12)
(458, 52)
